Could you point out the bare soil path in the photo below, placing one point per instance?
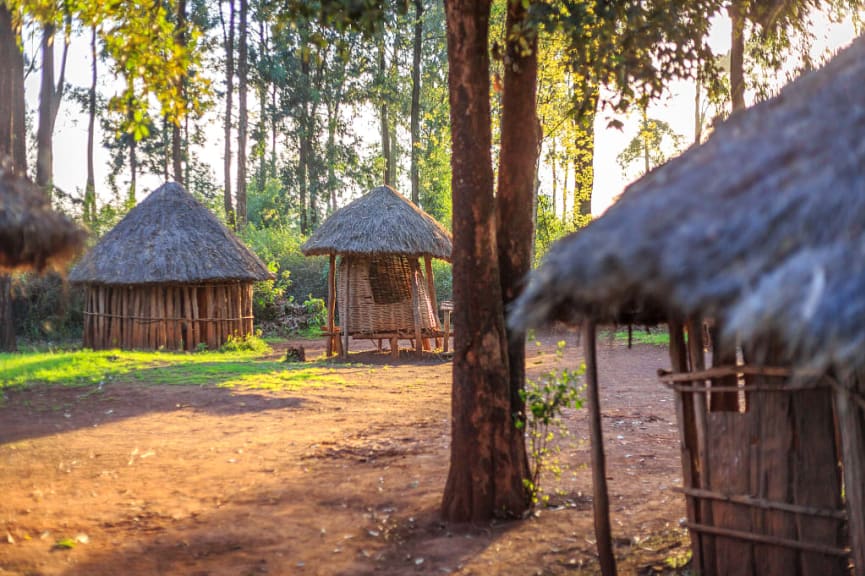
(335, 480)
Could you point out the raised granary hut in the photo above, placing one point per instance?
(761, 229)
(169, 275)
(32, 235)
(382, 292)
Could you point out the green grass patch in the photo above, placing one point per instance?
(241, 368)
(657, 337)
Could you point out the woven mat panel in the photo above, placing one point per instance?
(380, 295)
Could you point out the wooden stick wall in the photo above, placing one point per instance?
(176, 317)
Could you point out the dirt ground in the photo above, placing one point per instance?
(338, 480)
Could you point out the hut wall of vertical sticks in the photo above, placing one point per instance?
(761, 230)
(169, 275)
(378, 289)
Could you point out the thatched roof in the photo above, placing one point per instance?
(380, 222)
(32, 235)
(169, 238)
(763, 226)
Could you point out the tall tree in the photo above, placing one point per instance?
(228, 43)
(180, 35)
(90, 185)
(12, 144)
(485, 476)
(417, 50)
(50, 96)
(242, 114)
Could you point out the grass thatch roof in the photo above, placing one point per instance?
(380, 222)
(169, 238)
(763, 226)
(32, 235)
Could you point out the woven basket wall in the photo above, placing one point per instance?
(380, 296)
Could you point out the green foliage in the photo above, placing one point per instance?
(248, 343)
(545, 398)
(47, 308)
(657, 337)
(655, 143)
(443, 276)
(549, 227)
(316, 310)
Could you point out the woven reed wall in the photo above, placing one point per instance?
(383, 307)
(175, 317)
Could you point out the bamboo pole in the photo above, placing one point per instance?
(331, 303)
(431, 292)
(601, 503)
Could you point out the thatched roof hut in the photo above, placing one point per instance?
(763, 229)
(171, 275)
(380, 238)
(32, 235)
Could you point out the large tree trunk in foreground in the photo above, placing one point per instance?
(517, 162)
(13, 144)
(486, 470)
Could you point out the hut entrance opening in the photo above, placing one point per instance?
(385, 297)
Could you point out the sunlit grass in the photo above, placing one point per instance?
(244, 369)
(656, 337)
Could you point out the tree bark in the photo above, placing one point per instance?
(584, 171)
(737, 57)
(50, 96)
(415, 99)
(304, 151)
(383, 115)
(176, 132)
(518, 156)
(228, 39)
(485, 477)
(242, 72)
(90, 186)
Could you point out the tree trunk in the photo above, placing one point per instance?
(304, 152)
(90, 186)
(565, 173)
(584, 170)
(737, 57)
(242, 72)
(383, 114)
(228, 38)
(415, 99)
(518, 156)
(44, 154)
(13, 144)
(486, 468)
(176, 132)
(393, 114)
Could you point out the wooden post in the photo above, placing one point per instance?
(852, 427)
(414, 286)
(687, 433)
(346, 305)
(601, 501)
(431, 292)
(698, 363)
(331, 303)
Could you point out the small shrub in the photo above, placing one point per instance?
(545, 399)
(248, 343)
(316, 311)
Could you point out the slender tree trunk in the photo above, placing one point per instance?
(737, 57)
(50, 96)
(133, 173)
(13, 145)
(393, 115)
(228, 39)
(698, 113)
(417, 47)
(90, 186)
(383, 114)
(332, 119)
(485, 476)
(304, 152)
(565, 174)
(584, 159)
(261, 136)
(554, 174)
(242, 72)
(176, 129)
(518, 158)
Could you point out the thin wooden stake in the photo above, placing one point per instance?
(599, 467)
(414, 287)
(331, 304)
(346, 306)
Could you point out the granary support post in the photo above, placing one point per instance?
(599, 466)
(344, 320)
(431, 291)
(687, 432)
(414, 286)
(852, 426)
(331, 304)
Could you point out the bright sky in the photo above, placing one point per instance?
(677, 110)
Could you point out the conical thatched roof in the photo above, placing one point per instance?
(32, 235)
(762, 226)
(380, 222)
(169, 238)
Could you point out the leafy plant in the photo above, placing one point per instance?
(248, 343)
(316, 311)
(545, 398)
